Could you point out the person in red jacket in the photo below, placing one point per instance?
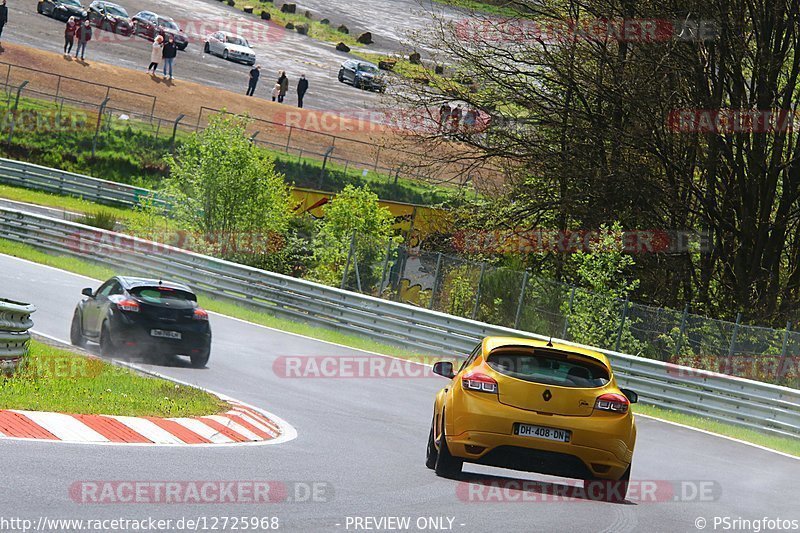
(84, 35)
(69, 35)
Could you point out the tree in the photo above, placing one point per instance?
(228, 191)
(585, 129)
(354, 211)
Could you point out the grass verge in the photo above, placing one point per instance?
(86, 268)
(55, 379)
(781, 444)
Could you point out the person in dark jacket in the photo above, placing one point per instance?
(255, 72)
(3, 16)
(69, 34)
(84, 34)
(283, 81)
(169, 52)
(302, 87)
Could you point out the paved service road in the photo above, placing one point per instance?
(275, 49)
(366, 438)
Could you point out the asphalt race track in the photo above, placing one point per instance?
(364, 439)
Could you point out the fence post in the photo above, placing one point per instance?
(324, 164)
(435, 279)
(355, 267)
(682, 331)
(349, 258)
(521, 300)
(153, 110)
(58, 89)
(99, 122)
(377, 157)
(478, 294)
(569, 312)
(14, 112)
(622, 324)
(735, 334)
(253, 137)
(780, 372)
(385, 268)
(175, 132)
(289, 138)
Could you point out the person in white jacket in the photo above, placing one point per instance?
(155, 54)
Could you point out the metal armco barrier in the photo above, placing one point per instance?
(764, 407)
(29, 176)
(15, 321)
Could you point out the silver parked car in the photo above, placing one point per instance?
(230, 46)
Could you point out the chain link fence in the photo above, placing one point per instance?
(520, 300)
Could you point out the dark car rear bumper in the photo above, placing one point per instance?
(132, 336)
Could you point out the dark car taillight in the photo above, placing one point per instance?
(478, 382)
(616, 403)
(125, 304)
(200, 314)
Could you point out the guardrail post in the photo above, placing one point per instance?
(435, 279)
(349, 258)
(735, 334)
(521, 300)
(99, 122)
(682, 331)
(15, 321)
(324, 163)
(14, 112)
(569, 312)
(175, 132)
(478, 294)
(622, 324)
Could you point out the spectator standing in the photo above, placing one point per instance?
(155, 54)
(168, 53)
(455, 118)
(283, 81)
(3, 16)
(444, 116)
(255, 72)
(276, 91)
(470, 118)
(69, 35)
(84, 36)
(302, 87)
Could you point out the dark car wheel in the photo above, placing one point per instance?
(106, 343)
(76, 331)
(206, 49)
(39, 8)
(199, 360)
(608, 490)
(341, 76)
(224, 54)
(183, 46)
(431, 453)
(447, 465)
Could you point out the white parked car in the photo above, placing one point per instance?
(230, 46)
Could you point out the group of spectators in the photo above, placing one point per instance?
(75, 31)
(281, 86)
(457, 119)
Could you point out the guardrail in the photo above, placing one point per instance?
(15, 321)
(30, 176)
(764, 407)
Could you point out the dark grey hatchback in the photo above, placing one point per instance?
(143, 316)
(362, 74)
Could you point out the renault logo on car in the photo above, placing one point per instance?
(547, 395)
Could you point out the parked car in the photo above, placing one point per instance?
(362, 74)
(230, 46)
(537, 406)
(143, 316)
(61, 9)
(110, 17)
(149, 25)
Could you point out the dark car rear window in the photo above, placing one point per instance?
(158, 295)
(549, 367)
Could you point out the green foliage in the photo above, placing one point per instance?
(102, 219)
(597, 311)
(229, 192)
(354, 211)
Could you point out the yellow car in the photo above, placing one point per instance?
(535, 406)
